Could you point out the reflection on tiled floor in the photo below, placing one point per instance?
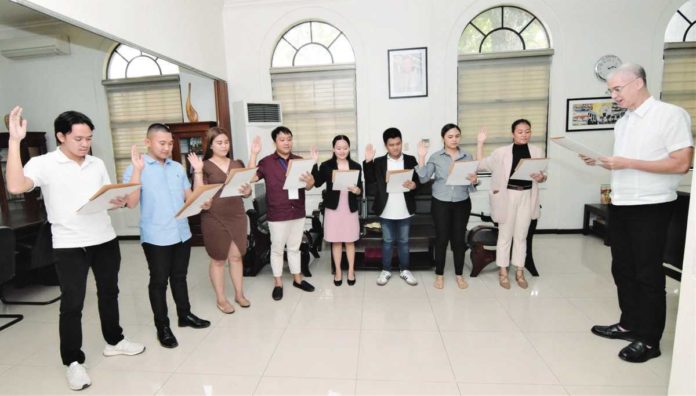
(366, 339)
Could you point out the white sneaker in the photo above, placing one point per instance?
(383, 278)
(77, 376)
(124, 347)
(408, 277)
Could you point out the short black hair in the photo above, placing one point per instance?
(64, 122)
(158, 127)
(391, 133)
(447, 127)
(280, 129)
(518, 122)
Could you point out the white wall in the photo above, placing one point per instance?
(631, 29)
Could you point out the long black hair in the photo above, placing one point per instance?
(333, 144)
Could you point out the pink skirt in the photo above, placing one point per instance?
(340, 224)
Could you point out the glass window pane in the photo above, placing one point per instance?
(502, 40)
(299, 35)
(535, 36)
(142, 66)
(516, 18)
(342, 51)
(128, 52)
(167, 68)
(675, 29)
(117, 67)
(323, 33)
(282, 57)
(312, 54)
(691, 35)
(470, 40)
(488, 21)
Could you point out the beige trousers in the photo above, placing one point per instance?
(284, 233)
(514, 230)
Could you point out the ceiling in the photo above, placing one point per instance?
(15, 15)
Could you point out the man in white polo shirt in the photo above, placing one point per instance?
(653, 148)
(68, 177)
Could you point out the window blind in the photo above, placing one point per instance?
(133, 106)
(317, 105)
(679, 78)
(494, 91)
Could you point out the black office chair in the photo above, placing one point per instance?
(7, 269)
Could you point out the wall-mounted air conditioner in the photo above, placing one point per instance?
(35, 46)
(251, 119)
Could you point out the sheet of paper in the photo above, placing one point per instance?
(297, 168)
(527, 166)
(200, 195)
(579, 148)
(101, 199)
(396, 179)
(343, 179)
(235, 179)
(459, 173)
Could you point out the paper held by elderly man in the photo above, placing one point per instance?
(577, 147)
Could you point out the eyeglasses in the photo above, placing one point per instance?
(617, 90)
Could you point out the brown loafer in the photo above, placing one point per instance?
(519, 277)
(439, 282)
(243, 302)
(504, 281)
(461, 282)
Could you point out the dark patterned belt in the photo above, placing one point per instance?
(518, 188)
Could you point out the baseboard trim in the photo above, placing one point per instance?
(559, 231)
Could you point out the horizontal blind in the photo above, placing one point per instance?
(133, 107)
(317, 105)
(495, 92)
(679, 80)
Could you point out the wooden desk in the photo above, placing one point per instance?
(600, 211)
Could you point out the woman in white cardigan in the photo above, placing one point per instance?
(514, 203)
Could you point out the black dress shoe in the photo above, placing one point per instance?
(277, 293)
(638, 352)
(304, 285)
(351, 282)
(338, 282)
(613, 332)
(194, 321)
(166, 337)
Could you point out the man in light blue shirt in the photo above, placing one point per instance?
(165, 239)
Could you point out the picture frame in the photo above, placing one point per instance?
(408, 72)
(592, 114)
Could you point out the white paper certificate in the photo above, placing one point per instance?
(235, 180)
(579, 148)
(527, 166)
(343, 179)
(460, 171)
(396, 180)
(200, 195)
(101, 199)
(297, 168)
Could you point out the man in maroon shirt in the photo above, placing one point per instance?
(286, 211)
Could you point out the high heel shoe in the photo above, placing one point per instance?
(338, 282)
(351, 282)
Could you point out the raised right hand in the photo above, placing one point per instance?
(422, 149)
(256, 145)
(137, 158)
(369, 153)
(482, 135)
(17, 126)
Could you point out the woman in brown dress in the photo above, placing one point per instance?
(224, 225)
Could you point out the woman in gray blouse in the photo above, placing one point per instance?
(451, 205)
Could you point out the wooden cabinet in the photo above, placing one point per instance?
(190, 137)
(28, 203)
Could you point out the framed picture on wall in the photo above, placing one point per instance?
(592, 114)
(408, 72)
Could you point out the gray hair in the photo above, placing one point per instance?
(631, 68)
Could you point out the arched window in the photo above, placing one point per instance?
(679, 73)
(313, 78)
(503, 75)
(141, 89)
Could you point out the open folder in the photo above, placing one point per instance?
(396, 180)
(101, 200)
(460, 171)
(579, 148)
(344, 179)
(200, 195)
(297, 168)
(235, 180)
(527, 166)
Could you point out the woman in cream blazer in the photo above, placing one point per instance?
(514, 203)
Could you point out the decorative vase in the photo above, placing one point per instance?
(191, 113)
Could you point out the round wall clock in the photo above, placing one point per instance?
(606, 65)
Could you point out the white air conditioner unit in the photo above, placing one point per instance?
(251, 119)
(35, 46)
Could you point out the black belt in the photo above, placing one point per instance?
(518, 188)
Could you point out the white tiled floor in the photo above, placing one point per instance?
(364, 339)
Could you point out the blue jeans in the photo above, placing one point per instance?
(395, 231)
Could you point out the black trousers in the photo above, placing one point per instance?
(72, 266)
(638, 234)
(168, 263)
(450, 220)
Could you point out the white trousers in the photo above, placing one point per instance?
(514, 230)
(284, 233)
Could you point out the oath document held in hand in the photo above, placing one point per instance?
(101, 200)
